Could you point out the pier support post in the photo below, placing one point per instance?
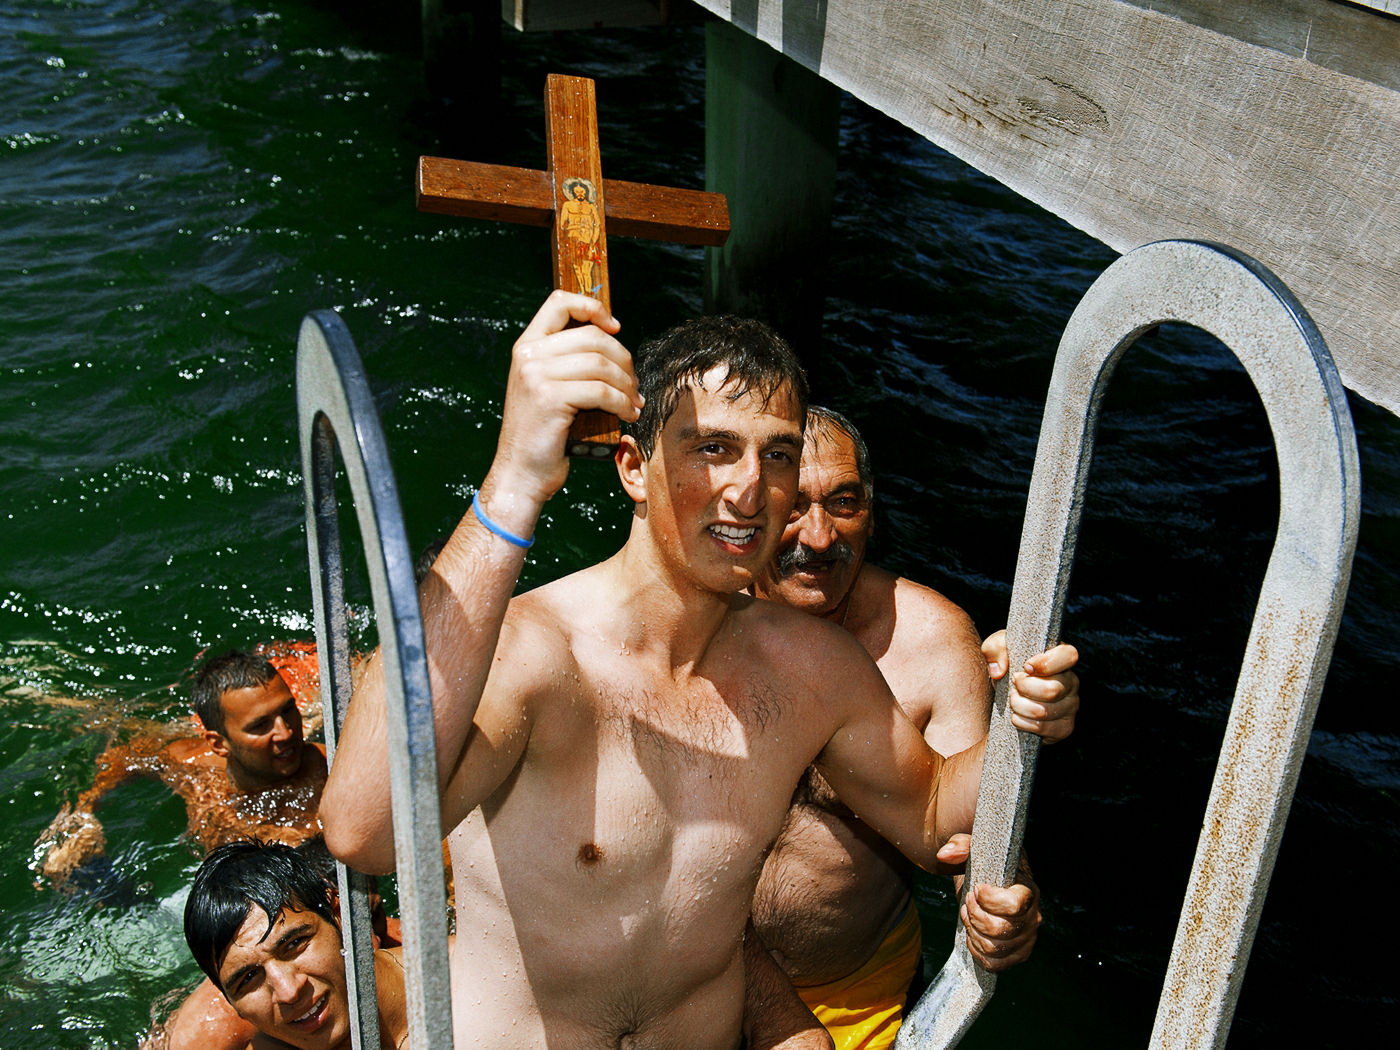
(462, 56)
(771, 136)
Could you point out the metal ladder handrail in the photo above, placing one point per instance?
(1242, 303)
(335, 406)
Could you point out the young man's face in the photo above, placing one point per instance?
(823, 546)
(290, 984)
(722, 479)
(262, 735)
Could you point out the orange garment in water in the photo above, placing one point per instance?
(863, 1010)
(297, 663)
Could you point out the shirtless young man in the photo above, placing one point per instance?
(250, 771)
(833, 903)
(617, 750)
(263, 924)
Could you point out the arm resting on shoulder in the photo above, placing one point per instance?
(879, 763)
(884, 770)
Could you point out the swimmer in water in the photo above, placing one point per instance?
(206, 1020)
(264, 924)
(249, 774)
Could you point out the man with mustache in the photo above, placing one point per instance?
(833, 904)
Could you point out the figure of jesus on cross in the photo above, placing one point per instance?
(582, 227)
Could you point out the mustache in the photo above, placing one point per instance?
(801, 556)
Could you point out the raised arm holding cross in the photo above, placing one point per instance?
(573, 199)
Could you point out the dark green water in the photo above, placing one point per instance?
(181, 182)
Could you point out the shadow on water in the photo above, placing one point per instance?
(182, 181)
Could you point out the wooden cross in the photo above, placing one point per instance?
(572, 198)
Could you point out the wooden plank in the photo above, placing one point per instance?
(553, 15)
(524, 195)
(1136, 126)
(485, 191)
(662, 213)
(1337, 36)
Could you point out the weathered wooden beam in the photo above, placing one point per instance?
(540, 15)
(523, 195)
(1333, 35)
(1137, 125)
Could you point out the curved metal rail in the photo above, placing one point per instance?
(334, 406)
(1290, 644)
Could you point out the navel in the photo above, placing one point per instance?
(589, 854)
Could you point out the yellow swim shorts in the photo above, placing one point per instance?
(863, 1010)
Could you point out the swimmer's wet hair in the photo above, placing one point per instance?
(757, 359)
(238, 876)
(822, 420)
(236, 669)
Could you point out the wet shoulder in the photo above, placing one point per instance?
(565, 603)
(536, 637)
(900, 620)
(930, 613)
(797, 639)
(192, 751)
(933, 659)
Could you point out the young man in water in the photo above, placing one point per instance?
(617, 750)
(264, 925)
(249, 773)
(833, 903)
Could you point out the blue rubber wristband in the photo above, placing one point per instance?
(491, 526)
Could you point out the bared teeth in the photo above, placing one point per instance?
(733, 534)
(315, 1007)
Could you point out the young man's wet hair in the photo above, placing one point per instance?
(236, 669)
(235, 878)
(758, 362)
